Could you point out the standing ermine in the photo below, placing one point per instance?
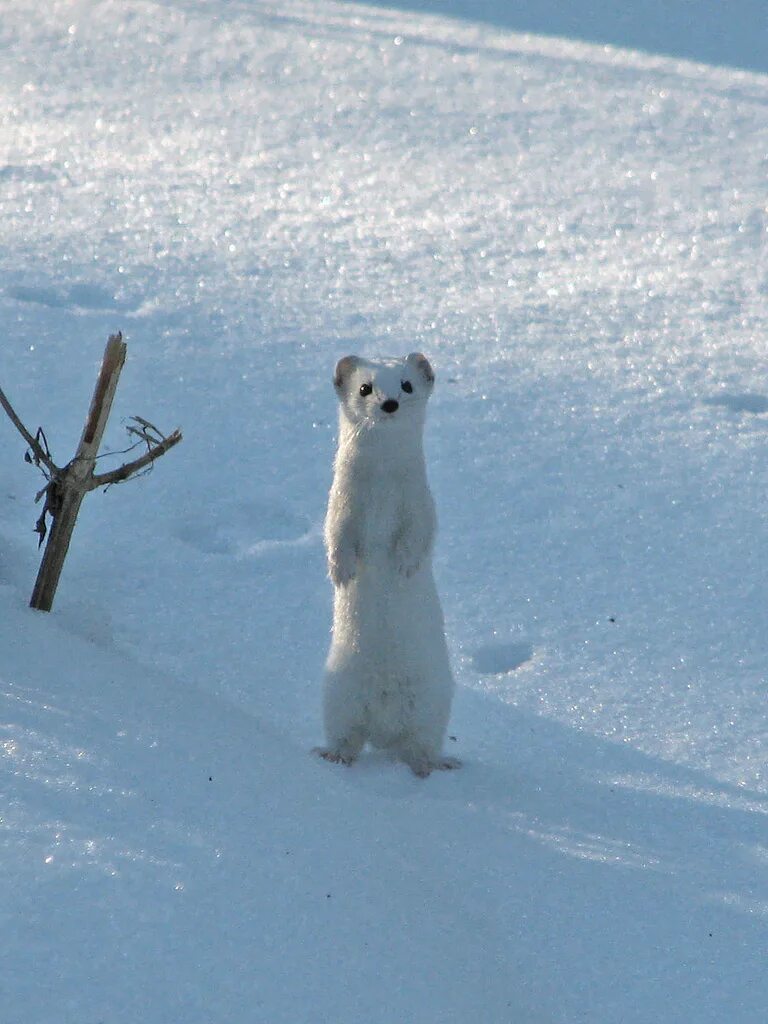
(388, 680)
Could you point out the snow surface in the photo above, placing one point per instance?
(577, 237)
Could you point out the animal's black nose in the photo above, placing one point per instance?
(390, 405)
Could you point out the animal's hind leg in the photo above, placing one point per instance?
(345, 731)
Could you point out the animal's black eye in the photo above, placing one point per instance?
(407, 387)
(365, 390)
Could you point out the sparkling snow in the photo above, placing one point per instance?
(578, 238)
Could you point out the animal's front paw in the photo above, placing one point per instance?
(407, 561)
(342, 569)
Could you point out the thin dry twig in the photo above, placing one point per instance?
(154, 451)
(40, 454)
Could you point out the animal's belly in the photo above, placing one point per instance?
(390, 624)
(389, 711)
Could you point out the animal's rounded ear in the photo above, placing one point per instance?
(423, 365)
(344, 368)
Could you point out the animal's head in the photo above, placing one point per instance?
(386, 392)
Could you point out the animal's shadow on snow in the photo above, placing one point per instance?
(609, 804)
(606, 843)
(655, 833)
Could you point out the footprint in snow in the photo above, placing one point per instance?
(744, 402)
(245, 529)
(78, 296)
(27, 172)
(497, 659)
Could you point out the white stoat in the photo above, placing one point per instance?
(388, 679)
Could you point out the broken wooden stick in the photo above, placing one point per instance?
(73, 483)
(67, 487)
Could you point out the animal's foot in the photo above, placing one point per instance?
(423, 767)
(334, 756)
(342, 569)
(408, 568)
(407, 560)
(343, 554)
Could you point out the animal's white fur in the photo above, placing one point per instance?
(388, 679)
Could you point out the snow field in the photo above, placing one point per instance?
(577, 238)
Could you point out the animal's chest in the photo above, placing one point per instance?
(384, 510)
